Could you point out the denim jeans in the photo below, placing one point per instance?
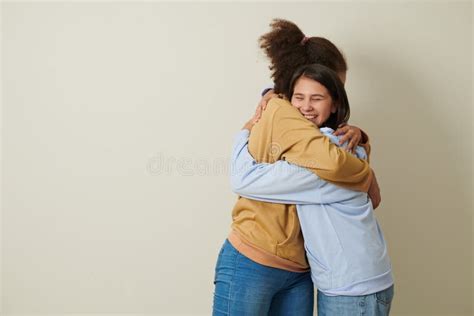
(376, 304)
(245, 287)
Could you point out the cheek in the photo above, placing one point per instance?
(296, 103)
(326, 108)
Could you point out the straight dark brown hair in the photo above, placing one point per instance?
(329, 79)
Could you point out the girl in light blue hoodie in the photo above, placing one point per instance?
(344, 244)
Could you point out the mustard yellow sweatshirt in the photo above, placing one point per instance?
(269, 233)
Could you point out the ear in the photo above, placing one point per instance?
(333, 107)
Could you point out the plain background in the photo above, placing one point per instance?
(117, 126)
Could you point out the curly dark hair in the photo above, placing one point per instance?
(287, 48)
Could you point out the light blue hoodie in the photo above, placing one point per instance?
(344, 244)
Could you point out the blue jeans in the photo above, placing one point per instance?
(244, 287)
(376, 304)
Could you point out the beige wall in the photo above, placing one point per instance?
(100, 99)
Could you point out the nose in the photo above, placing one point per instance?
(306, 106)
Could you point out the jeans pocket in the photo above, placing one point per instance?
(385, 296)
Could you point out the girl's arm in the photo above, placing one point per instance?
(282, 133)
(280, 182)
(353, 134)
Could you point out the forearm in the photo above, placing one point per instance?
(331, 163)
(279, 182)
(298, 141)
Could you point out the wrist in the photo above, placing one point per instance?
(248, 126)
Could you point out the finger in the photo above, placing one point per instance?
(257, 113)
(345, 138)
(337, 132)
(352, 144)
(258, 109)
(343, 125)
(341, 130)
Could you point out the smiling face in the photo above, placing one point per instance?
(313, 100)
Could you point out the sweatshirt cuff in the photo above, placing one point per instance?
(243, 133)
